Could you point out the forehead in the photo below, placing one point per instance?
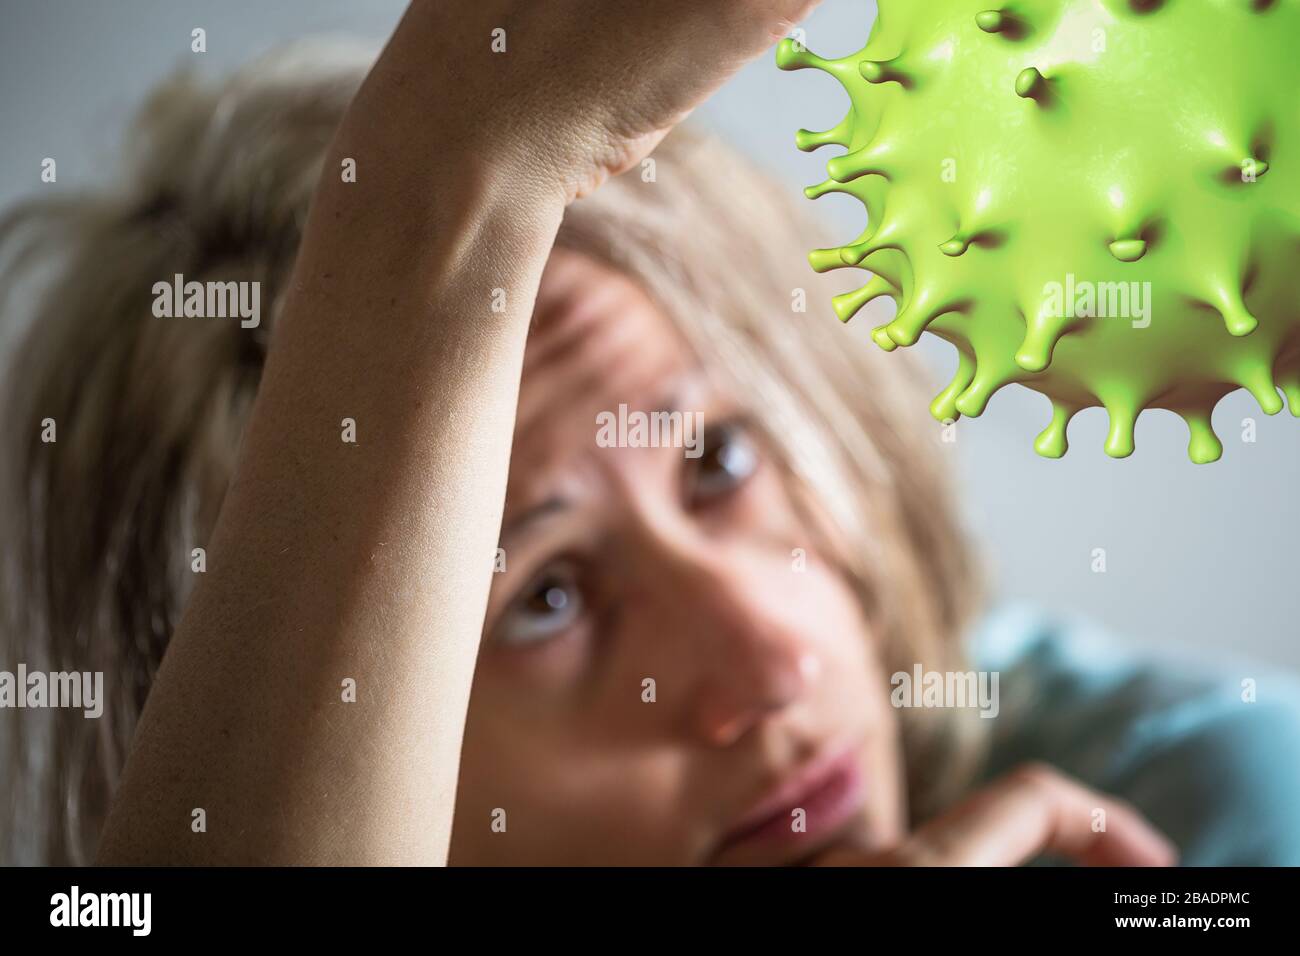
(597, 341)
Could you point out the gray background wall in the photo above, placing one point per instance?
(1201, 557)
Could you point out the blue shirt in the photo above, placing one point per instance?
(1217, 774)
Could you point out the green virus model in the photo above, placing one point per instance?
(1096, 199)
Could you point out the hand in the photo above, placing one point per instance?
(1030, 811)
(584, 88)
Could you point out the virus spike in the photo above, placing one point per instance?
(791, 55)
(1128, 250)
(880, 336)
(1051, 441)
(1258, 166)
(838, 135)
(1259, 382)
(1031, 85)
(874, 159)
(885, 71)
(850, 303)
(1290, 385)
(991, 21)
(1123, 417)
(956, 246)
(1236, 318)
(912, 320)
(1042, 332)
(888, 236)
(976, 397)
(1203, 446)
(824, 260)
(944, 406)
(821, 189)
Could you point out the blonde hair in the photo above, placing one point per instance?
(149, 414)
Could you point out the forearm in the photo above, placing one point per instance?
(369, 561)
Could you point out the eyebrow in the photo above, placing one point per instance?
(669, 403)
(538, 512)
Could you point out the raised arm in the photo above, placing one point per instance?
(372, 561)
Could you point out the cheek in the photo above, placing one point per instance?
(853, 671)
(829, 613)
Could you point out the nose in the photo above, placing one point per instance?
(738, 633)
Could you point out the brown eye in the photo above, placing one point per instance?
(728, 458)
(546, 608)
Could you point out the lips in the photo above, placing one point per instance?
(829, 791)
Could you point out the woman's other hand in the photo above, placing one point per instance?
(1029, 812)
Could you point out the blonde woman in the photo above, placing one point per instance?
(434, 616)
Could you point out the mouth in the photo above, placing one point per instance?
(830, 793)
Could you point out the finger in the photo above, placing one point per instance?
(1037, 810)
